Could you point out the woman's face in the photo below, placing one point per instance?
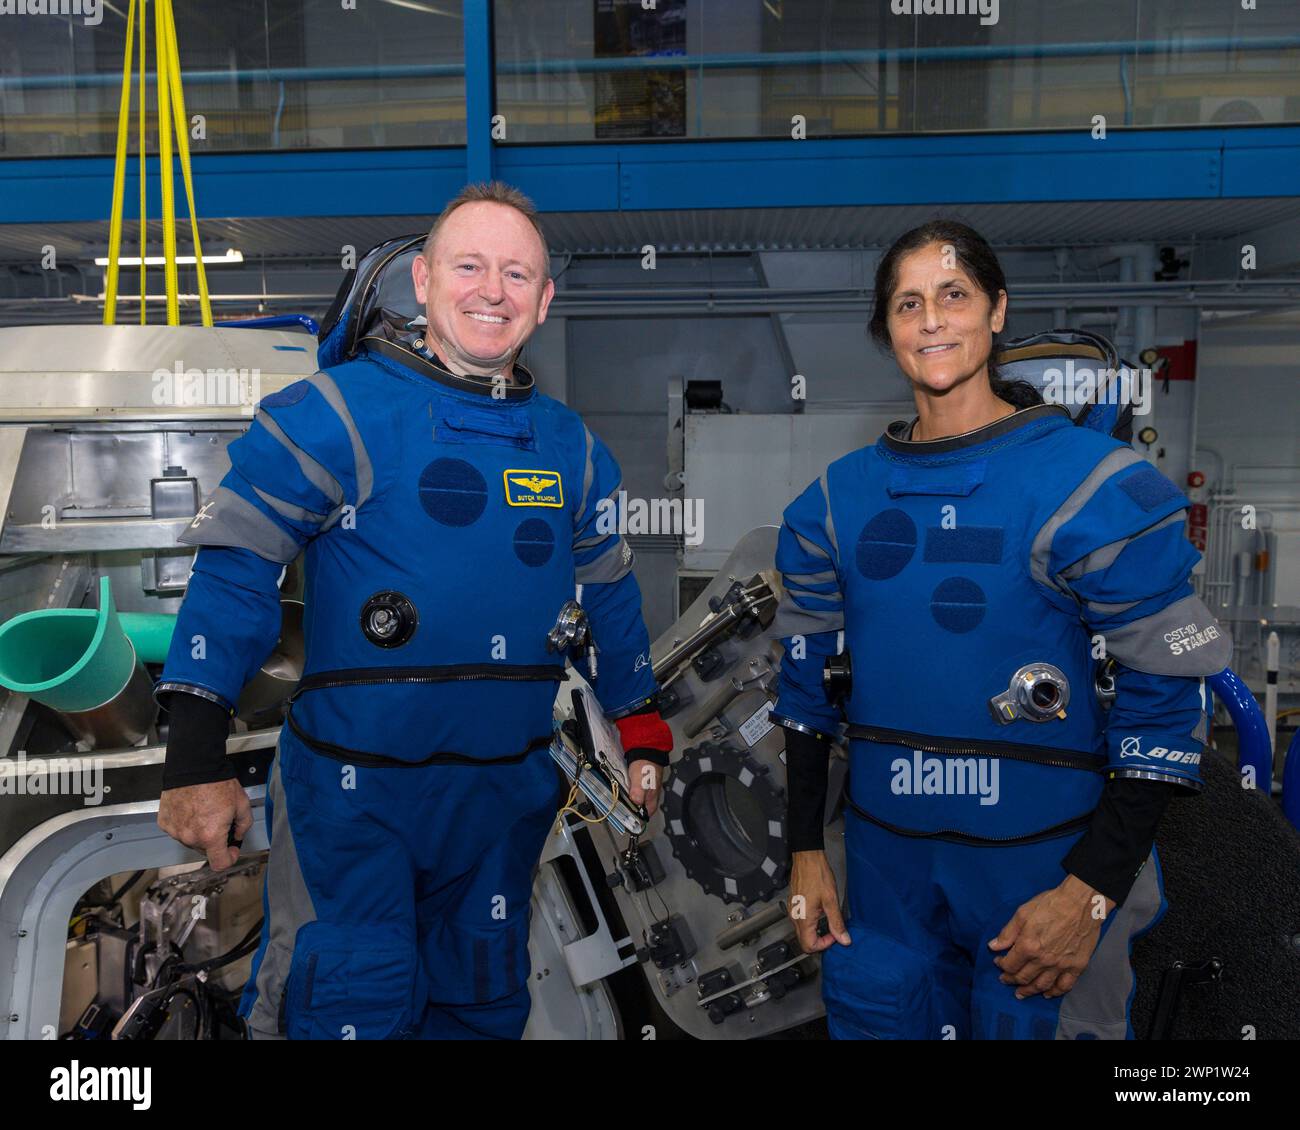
(941, 325)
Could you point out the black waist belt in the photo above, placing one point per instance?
(977, 747)
(386, 676)
(950, 836)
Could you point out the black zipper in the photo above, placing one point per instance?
(453, 673)
(976, 747)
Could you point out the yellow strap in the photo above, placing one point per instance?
(165, 163)
(119, 178)
(183, 145)
(144, 178)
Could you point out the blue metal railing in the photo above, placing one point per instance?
(750, 60)
(275, 322)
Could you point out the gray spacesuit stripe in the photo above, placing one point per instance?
(312, 471)
(806, 579)
(1111, 609)
(830, 522)
(288, 510)
(1183, 638)
(1106, 556)
(608, 567)
(1097, 1006)
(290, 906)
(365, 472)
(239, 523)
(607, 517)
(791, 620)
(588, 472)
(1040, 553)
(811, 547)
(795, 590)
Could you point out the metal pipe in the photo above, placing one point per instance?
(747, 928)
(1253, 749)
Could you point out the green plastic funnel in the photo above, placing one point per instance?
(70, 659)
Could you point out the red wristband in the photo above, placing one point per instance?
(645, 731)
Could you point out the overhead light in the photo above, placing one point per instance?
(429, 8)
(231, 256)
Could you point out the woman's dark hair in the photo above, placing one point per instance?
(977, 259)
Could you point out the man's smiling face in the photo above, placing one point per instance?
(483, 285)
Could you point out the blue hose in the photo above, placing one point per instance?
(1254, 746)
(1291, 783)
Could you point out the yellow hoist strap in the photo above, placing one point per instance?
(119, 177)
(183, 144)
(144, 178)
(171, 113)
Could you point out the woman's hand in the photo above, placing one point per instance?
(645, 780)
(812, 894)
(1051, 939)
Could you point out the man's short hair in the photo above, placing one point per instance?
(494, 192)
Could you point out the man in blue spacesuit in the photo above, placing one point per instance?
(447, 511)
(982, 563)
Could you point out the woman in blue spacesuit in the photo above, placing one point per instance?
(982, 561)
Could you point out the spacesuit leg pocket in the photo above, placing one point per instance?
(351, 982)
(466, 965)
(876, 989)
(475, 938)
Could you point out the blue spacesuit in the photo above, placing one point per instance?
(445, 523)
(979, 580)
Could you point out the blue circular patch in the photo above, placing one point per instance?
(886, 545)
(453, 492)
(534, 542)
(958, 604)
(287, 396)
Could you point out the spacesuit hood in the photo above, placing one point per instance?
(380, 283)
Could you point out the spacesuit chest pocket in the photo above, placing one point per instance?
(954, 479)
(465, 423)
(350, 982)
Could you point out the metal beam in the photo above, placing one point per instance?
(1145, 164)
(480, 90)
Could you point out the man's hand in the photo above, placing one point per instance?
(1051, 939)
(812, 894)
(200, 817)
(645, 779)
